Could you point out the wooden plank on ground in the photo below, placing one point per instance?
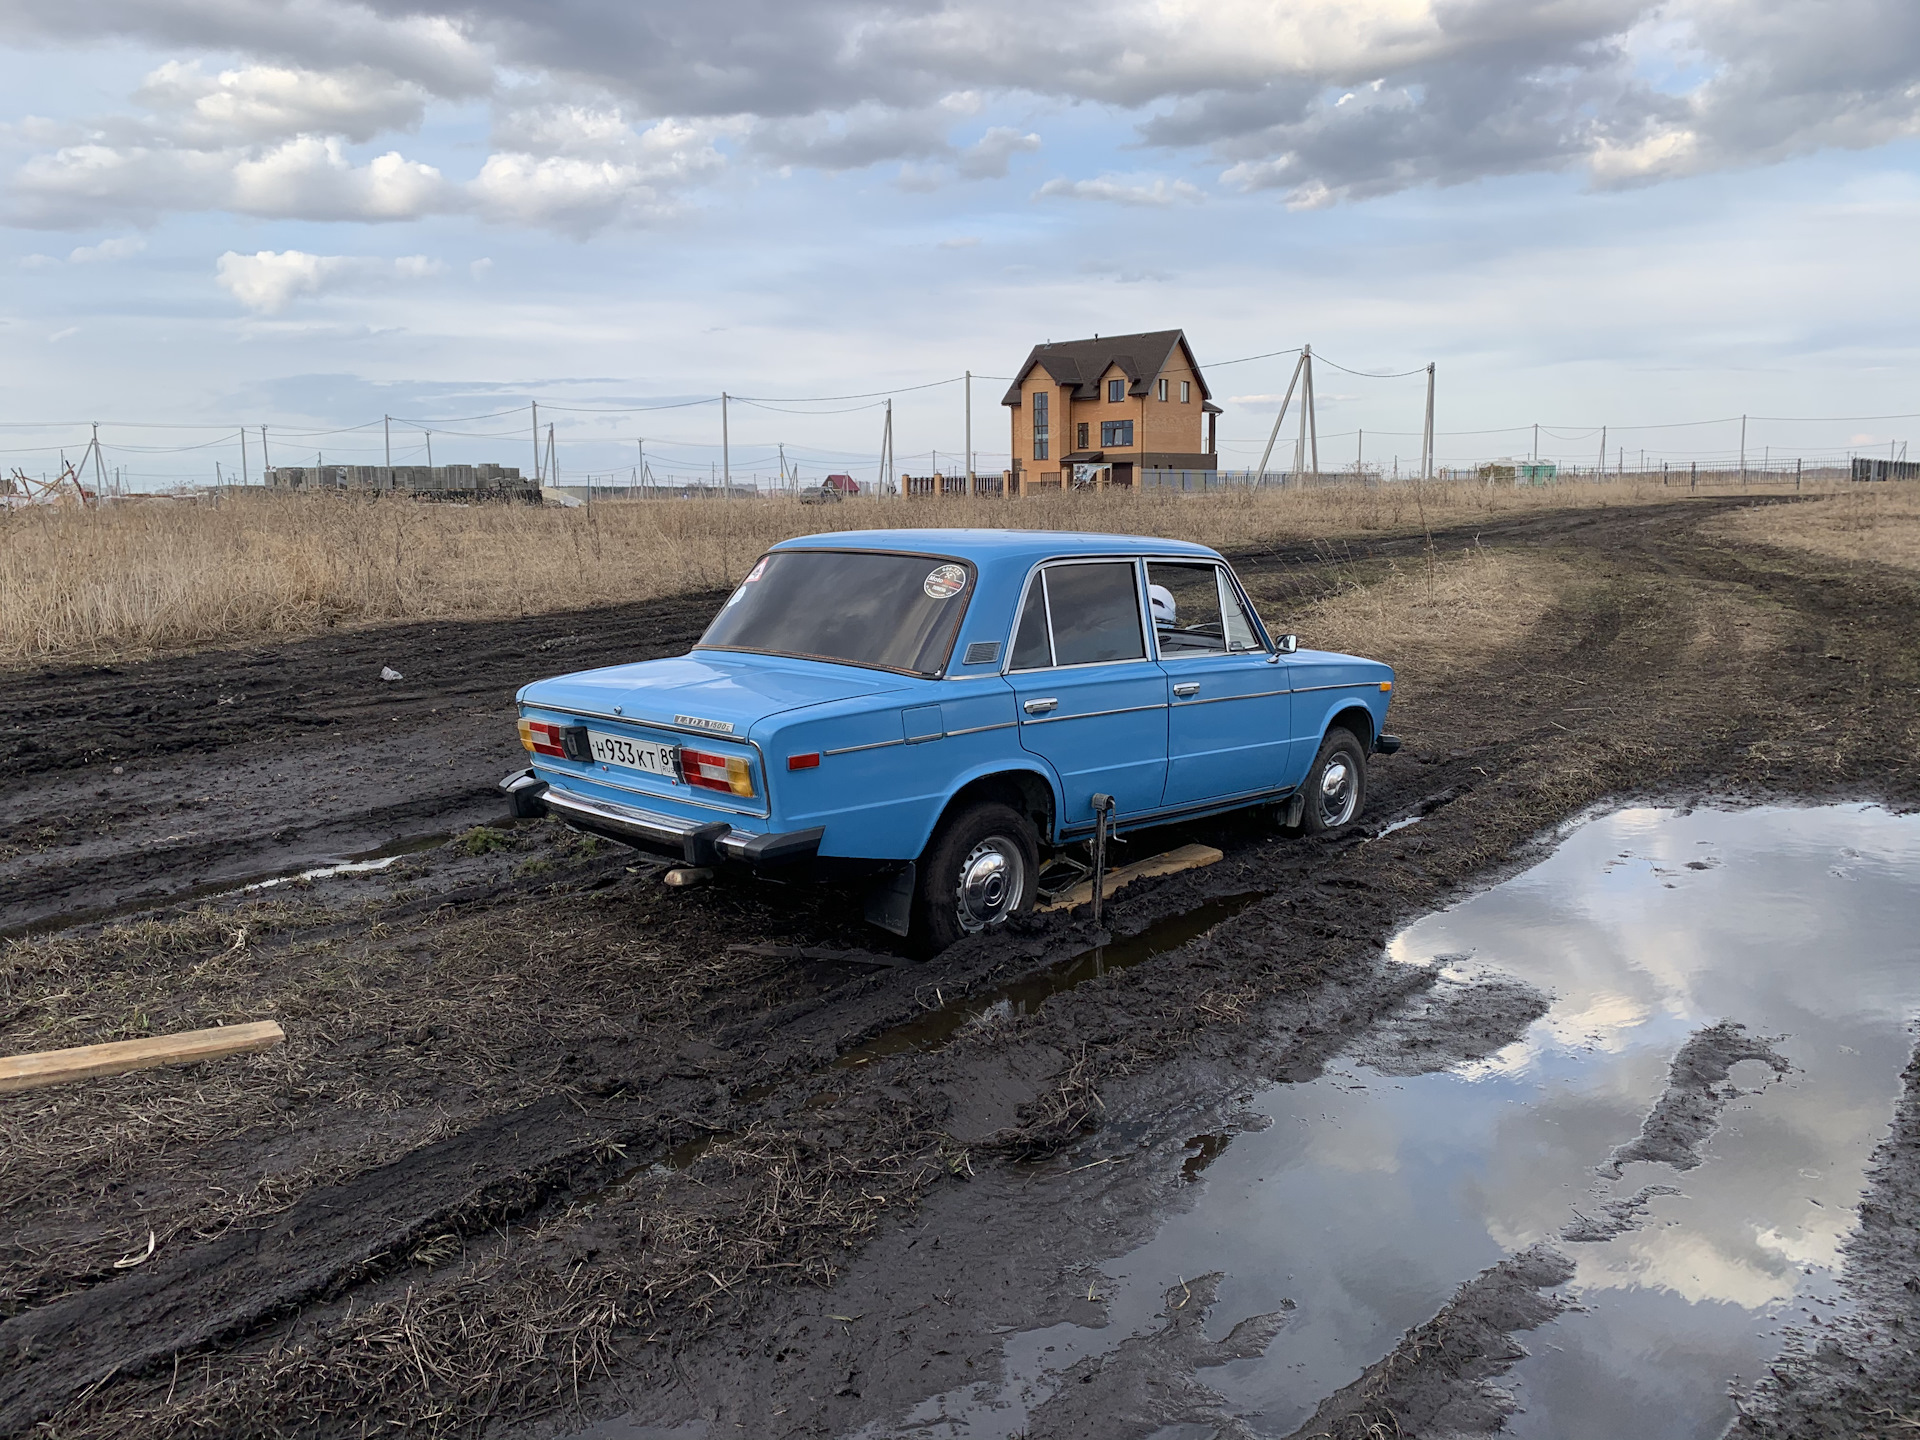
(1187, 857)
(85, 1062)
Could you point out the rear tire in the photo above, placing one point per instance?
(979, 872)
(1335, 791)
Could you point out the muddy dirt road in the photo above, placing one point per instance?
(551, 1145)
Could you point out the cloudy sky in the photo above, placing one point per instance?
(308, 214)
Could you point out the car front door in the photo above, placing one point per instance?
(1231, 717)
(1091, 701)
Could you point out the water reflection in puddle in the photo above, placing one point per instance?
(1370, 1198)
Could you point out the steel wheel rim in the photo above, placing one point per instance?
(992, 879)
(1339, 791)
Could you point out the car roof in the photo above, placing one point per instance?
(997, 545)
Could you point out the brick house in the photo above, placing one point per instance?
(1099, 411)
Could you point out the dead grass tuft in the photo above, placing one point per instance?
(140, 579)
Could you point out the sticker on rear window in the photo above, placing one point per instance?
(755, 573)
(943, 582)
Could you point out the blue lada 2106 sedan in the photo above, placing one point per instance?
(935, 710)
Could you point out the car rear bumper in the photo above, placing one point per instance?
(671, 837)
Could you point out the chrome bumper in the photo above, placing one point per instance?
(688, 841)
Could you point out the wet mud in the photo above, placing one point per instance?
(1441, 1379)
(1698, 1089)
(454, 1203)
(1859, 1373)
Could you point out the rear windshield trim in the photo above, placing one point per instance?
(973, 585)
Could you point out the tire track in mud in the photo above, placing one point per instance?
(1339, 902)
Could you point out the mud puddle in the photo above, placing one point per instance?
(1672, 1151)
(928, 1032)
(933, 1029)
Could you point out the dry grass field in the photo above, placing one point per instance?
(159, 576)
(1875, 523)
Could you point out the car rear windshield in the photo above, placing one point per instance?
(897, 612)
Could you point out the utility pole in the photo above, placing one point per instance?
(640, 465)
(387, 421)
(265, 463)
(1306, 406)
(1601, 467)
(429, 435)
(536, 441)
(726, 454)
(245, 478)
(1743, 447)
(553, 459)
(1274, 434)
(783, 464)
(1359, 454)
(969, 434)
(886, 452)
(100, 469)
(1426, 440)
(1313, 417)
(1536, 444)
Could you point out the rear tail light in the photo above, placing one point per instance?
(564, 742)
(726, 773)
(809, 761)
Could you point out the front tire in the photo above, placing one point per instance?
(1336, 788)
(979, 872)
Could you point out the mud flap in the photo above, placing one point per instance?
(890, 901)
(524, 790)
(1292, 810)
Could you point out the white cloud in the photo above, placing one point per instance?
(987, 157)
(268, 281)
(308, 178)
(272, 102)
(57, 336)
(1124, 190)
(613, 174)
(120, 248)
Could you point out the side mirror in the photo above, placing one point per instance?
(1287, 644)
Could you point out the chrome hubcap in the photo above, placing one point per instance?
(993, 878)
(1338, 792)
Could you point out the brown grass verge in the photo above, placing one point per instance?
(167, 576)
(1878, 524)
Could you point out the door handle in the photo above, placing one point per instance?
(1186, 688)
(1040, 707)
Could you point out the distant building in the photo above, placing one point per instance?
(1098, 412)
(427, 482)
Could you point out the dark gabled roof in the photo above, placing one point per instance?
(1081, 363)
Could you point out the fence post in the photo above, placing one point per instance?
(1693, 480)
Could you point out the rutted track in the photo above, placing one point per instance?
(1492, 756)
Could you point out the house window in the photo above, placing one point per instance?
(1039, 424)
(1116, 391)
(1116, 433)
(1186, 388)
(1080, 439)
(1162, 386)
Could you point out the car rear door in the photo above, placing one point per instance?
(1091, 700)
(1230, 721)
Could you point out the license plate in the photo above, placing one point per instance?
(661, 760)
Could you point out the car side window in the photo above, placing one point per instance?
(1239, 625)
(1184, 601)
(1031, 648)
(1095, 613)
